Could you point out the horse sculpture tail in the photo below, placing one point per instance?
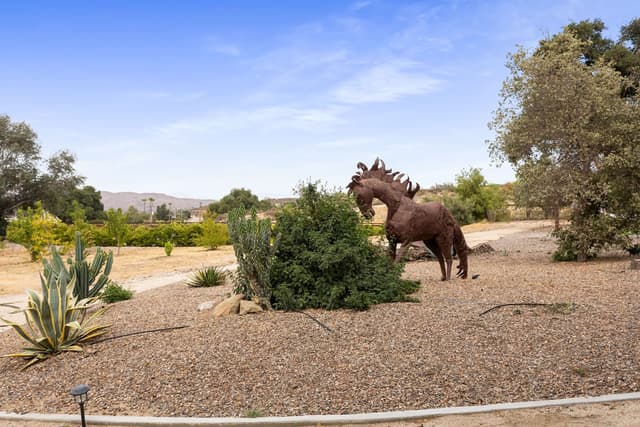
(462, 250)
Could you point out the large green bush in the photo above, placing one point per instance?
(325, 260)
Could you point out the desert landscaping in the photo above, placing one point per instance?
(445, 350)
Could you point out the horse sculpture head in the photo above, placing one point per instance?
(364, 194)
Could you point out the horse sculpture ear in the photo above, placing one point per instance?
(362, 166)
(355, 180)
(415, 190)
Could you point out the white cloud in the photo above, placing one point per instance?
(151, 95)
(385, 83)
(265, 118)
(346, 142)
(361, 4)
(213, 44)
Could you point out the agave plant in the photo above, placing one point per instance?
(89, 279)
(207, 277)
(55, 320)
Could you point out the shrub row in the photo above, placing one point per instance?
(179, 234)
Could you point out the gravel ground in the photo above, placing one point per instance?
(435, 353)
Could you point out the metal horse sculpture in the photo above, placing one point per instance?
(408, 221)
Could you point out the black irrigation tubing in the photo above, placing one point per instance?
(512, 304)
(315, 320)
(140, 332)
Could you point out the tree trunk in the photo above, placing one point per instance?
(556, 219)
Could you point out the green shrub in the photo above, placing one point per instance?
(208, 277)
(462, 210)
(55, 320)
(153, 235)
(213, 234)
(147, 236)
(584, 240)
(114, 292)
(89, 278)
(325, 260)
(168, 248)
(374, 230)
(36, 230)
(251, 239)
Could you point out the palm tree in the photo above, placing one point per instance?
(151, 200)
(144, 205)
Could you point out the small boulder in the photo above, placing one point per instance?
(248, 307)
(417, 251)
(229, 306)
(207, 305)
(482, 248)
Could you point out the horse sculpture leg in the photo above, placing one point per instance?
(445, 242)
(433, 247)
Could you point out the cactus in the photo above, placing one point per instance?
(55, 320)
(254, 251)
(89, 278)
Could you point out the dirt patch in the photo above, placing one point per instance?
(18, 273)
(435, 353)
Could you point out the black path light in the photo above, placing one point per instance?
(80, 395)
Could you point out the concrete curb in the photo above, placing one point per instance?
(303, 420)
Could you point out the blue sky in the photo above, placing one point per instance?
(193, 98)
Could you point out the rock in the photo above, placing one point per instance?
(417, 250)
(229, 306)
(207, 305)
(248, 307)
(635, 264)
(482, 248)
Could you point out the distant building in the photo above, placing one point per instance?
(197, 214)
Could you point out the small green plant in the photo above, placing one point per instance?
(208, 277)
(89, 278)
(55, 320)
(254, 413)
(582, 372)
(114, 292)
(168, 248)
(562, 308)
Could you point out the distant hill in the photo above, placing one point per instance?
(123, 200)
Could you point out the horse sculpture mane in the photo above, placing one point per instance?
(408, 221)
(379, 171)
